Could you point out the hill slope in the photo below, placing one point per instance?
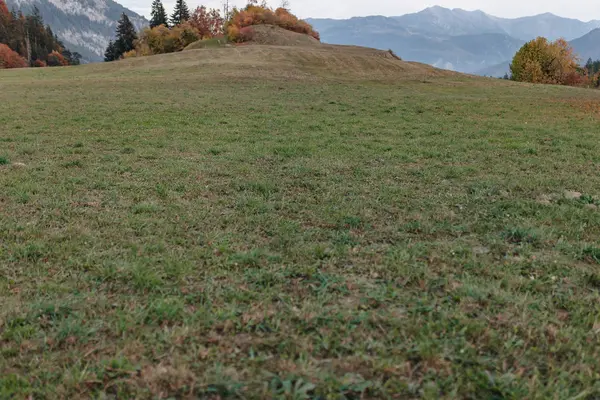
(295, 222)
(84, 26)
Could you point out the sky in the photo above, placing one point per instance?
(581, 9)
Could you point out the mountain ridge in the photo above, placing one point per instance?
(465, 41)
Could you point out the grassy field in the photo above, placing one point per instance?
(244, 223)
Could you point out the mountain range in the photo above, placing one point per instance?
(465, 41)
(84, 26)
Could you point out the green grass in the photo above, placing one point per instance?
(182, 232)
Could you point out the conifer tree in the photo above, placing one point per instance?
(126, 36)
(109, 54)
(181, 13)
(159, 15)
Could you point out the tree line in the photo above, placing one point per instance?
(26, 42)
(174, 33)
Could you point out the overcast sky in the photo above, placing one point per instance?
(580, 9)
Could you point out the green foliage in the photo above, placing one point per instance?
(159, 15)
(110, 54)
(181, 13)
(126, 36)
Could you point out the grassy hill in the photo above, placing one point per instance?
(296, 222)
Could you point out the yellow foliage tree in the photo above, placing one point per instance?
(542, 61)
(160, 39)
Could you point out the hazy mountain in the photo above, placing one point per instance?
(547, 25)
(588, 46)
(84, 26)
(466, 41)
(443, 21)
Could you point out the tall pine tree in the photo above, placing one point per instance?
(126, 37)
(181, 13)
(109, 54)
(159, 15)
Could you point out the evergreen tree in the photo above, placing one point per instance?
(589, 65)
(126, 37)
(159, 15)
(181, 13)
(109, 54)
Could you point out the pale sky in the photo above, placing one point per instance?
(581, 9)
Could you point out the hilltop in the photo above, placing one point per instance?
(305, 221)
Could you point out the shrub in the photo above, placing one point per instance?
(10, 58)
(262, 15)
(39, 64)
(246, 34)
(130, 54)
(55, 59)
(160, 39)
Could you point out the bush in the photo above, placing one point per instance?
(160, 39)
(130, 54)
(55, 59)
(10, 58)
(39, 64)
(262, 15)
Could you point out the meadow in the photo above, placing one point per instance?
(252, 223)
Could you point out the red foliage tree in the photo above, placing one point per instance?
(55, 59)
(10, 58)
(208, 23)
(39, 64)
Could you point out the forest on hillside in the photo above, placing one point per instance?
(26, 42)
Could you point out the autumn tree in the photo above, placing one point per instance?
(28, 36)
(126, 36)
(159, 15)
(261, 14)
(160, 39)
(10, 58)
(541, 61)
(208, 23)
(181, 13)
(55, 59)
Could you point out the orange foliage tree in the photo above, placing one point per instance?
(208, 23)
(55, 59)
(10, 58)
(254, 14)
(542, 61)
